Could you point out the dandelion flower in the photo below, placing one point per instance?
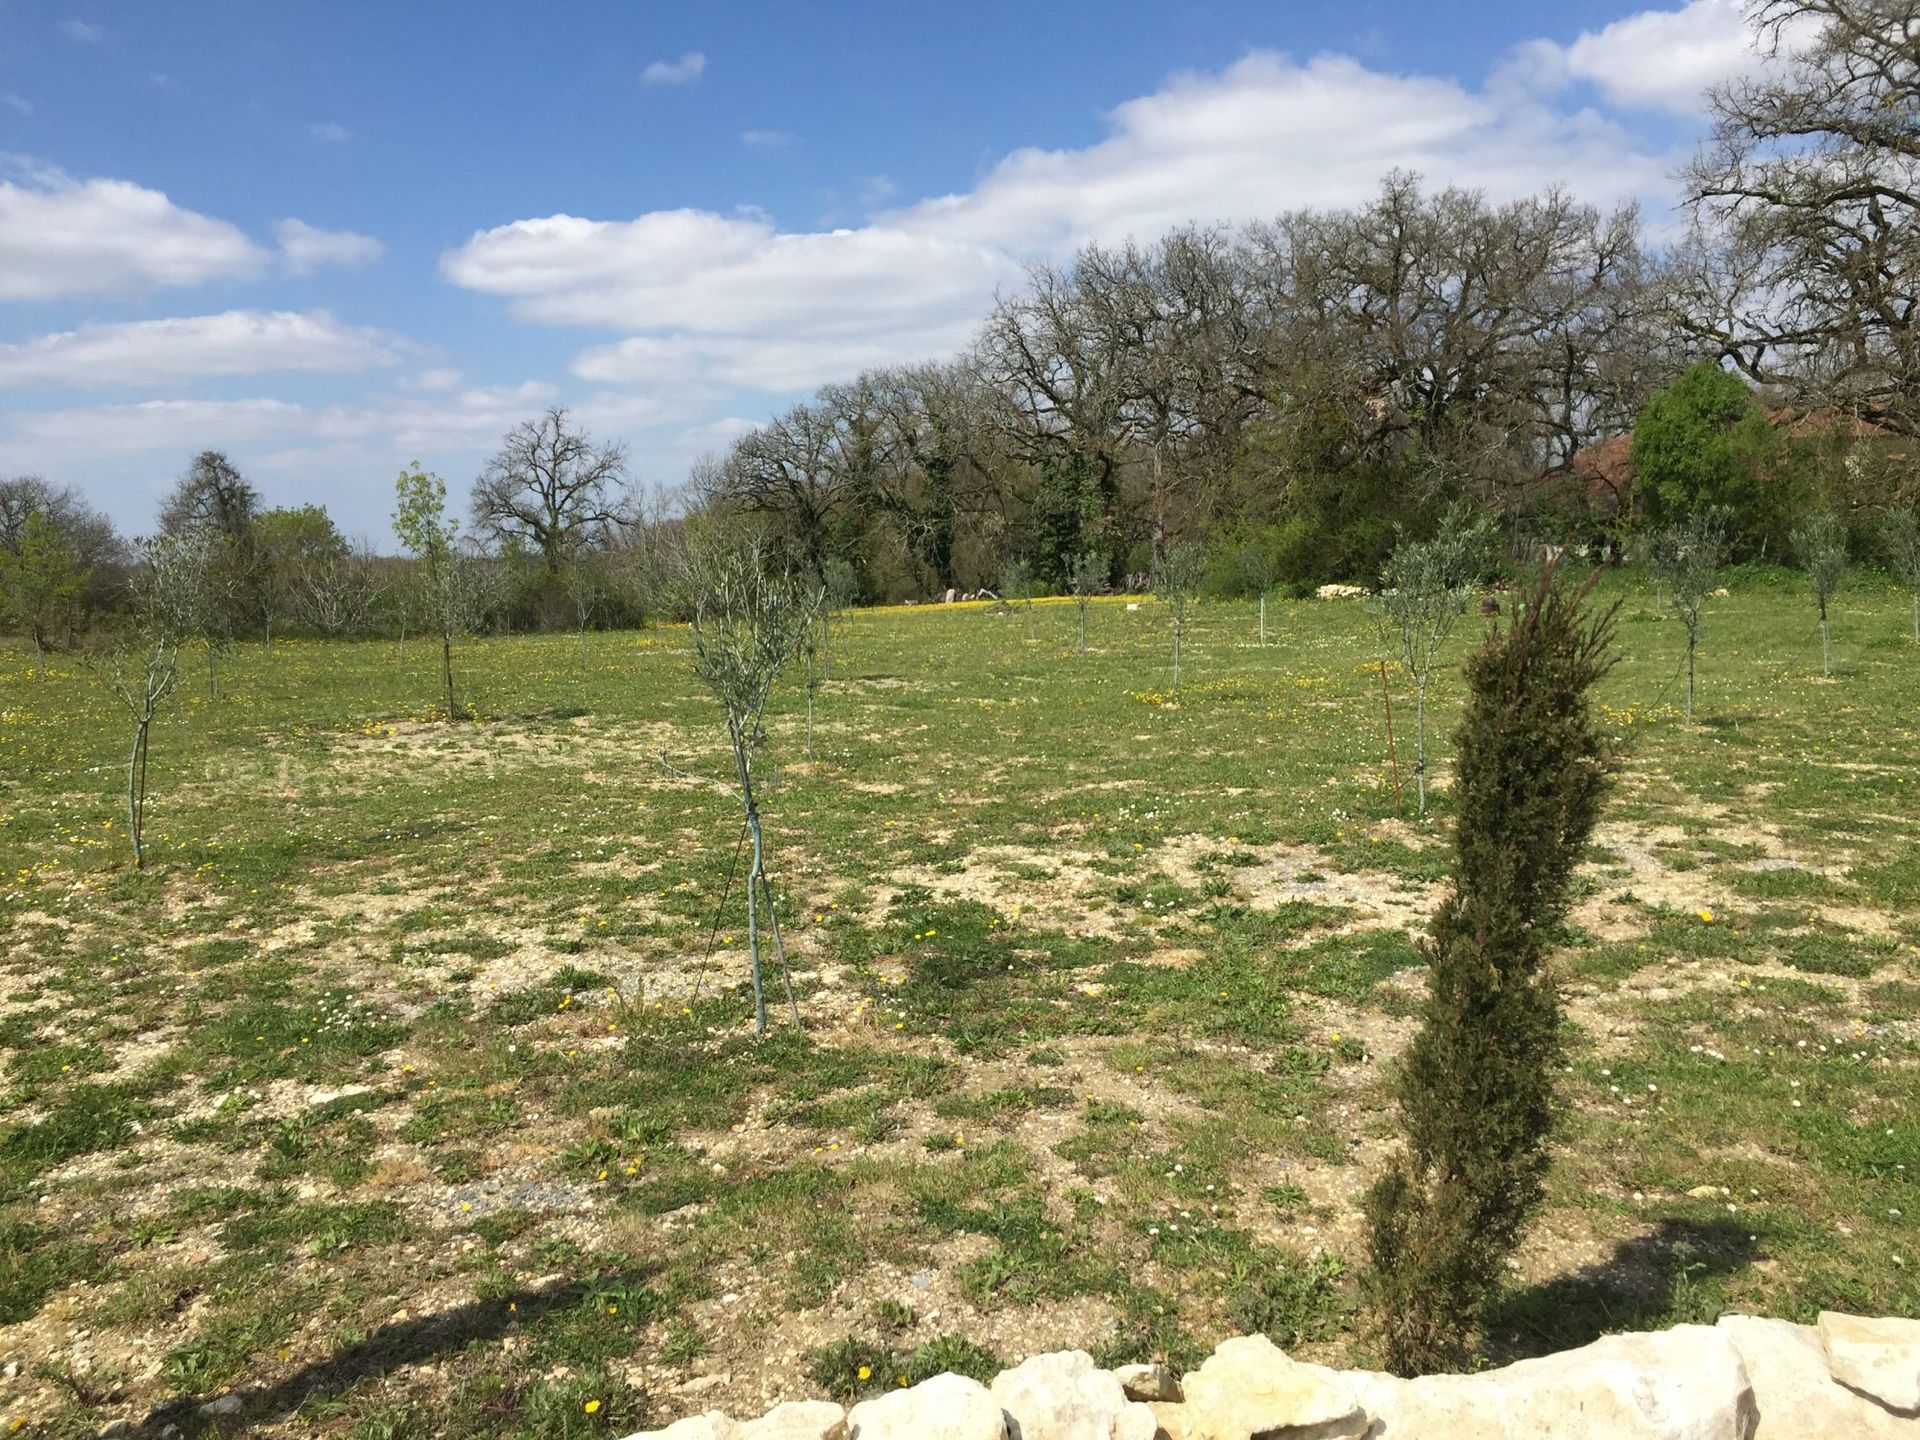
(866, 1372)
(592, 1407)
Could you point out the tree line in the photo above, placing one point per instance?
(1293, 396)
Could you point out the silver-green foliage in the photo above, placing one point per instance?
(1900, 539)
(1085, 575)
(1425, 586)
(1820, 544)
(1685, 559)
(1177, 574)
(749, 621)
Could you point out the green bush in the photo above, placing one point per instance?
(1476, 1086)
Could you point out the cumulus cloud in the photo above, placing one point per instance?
(305, 248)
(735, 300)
(329, 132)
(684, 71)
(61, 237)
(1653, 60)
(168, 352)
(735, 294)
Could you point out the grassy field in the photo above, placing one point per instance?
(412, 1088)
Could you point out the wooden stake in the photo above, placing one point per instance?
(1393, 754)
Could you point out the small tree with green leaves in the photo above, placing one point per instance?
(1177, 574)
(748, 622)
(1476, 1086)
(1820, 545)
(449, 589)
(41, 581)
(1424, 589)
(1900, 540)
(1086, 573)
(1685, 559)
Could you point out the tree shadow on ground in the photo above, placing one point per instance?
(390, 1348)
(1665, 1277)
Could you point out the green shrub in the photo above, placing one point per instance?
(1476, 1087)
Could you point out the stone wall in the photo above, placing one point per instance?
(1746, 1378)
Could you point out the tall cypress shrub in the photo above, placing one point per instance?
(1476, 1086)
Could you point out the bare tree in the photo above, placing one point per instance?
(335, 595)
(1820, 544)
(749, 622)
(169, 606)
(551, 487)
(1424, 590)
(1813, 176)
(1685, 560)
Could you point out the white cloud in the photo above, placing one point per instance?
(167, 352)
(684, 71)
(733, 300)
(329, 132)
(62, 237)
(305, 248)
(769, 139)
(19, 104)
(82, 33)
(1653, 60)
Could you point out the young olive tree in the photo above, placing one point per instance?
(1176, 580)
(1086, 573)
(1685, 559)
(839, 589)
(748, 623)
(1425, 586)
(1476, 1086)
(1259, 572)
(1900, 538)
(449, 588)
(1820, 545)
(1016, 583)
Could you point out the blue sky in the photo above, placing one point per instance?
(335, 238)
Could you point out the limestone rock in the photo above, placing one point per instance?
(799, 1420)
(1148, 1382)
(1795, 1394)
(1686, 1383)
(947, 1407)
(1880, 1358)
(1249, 1390)
(710, 1426)
(1063, 1397)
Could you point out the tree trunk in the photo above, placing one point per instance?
(1826, 646)
(1420, 741)
(213, 671)
(1082, 607)
(1690, 646)
(446, 671)
(1176, 657)
(133, 791)
(1263, 619)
